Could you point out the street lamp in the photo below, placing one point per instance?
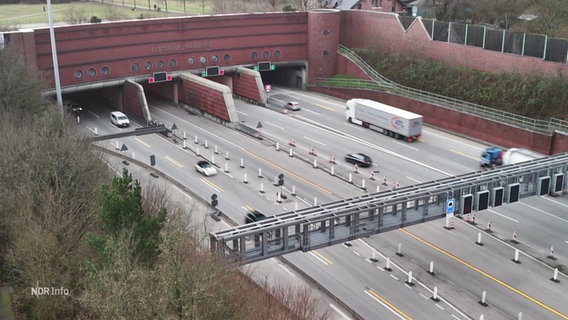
(54, 57)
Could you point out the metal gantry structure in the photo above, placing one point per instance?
(372, 213)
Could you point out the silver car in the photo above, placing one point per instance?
(205, 168)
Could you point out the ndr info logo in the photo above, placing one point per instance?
(49, 291)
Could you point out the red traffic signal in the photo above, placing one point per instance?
(151, 80)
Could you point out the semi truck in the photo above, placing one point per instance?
(389, 120)
(494, 156)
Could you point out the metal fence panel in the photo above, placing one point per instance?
(475, 36)
(458, 33)
(494, 40)
(428, 26)
(514, 42)
(556, 50)
(441, 31)
(406, 21)
(534, 45)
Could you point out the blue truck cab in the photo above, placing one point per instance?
(490, 157)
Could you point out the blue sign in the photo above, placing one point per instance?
(450, 205)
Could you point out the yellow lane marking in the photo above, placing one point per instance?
(319, 255)
(177, 163)
(463, 154)
(212, 185)
(376, 295)
(522, 294)
(288, 172)
(325, 107)
(142, 142)
(247, 207)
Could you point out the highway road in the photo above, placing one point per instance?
(462, 269)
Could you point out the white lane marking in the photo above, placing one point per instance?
(384, 305)
(394, 277)
(566, 241)
(423, 296)
(455, 317)
(355, 252)
(274, 125)
(417, 181)
(242, 113)
(405, 144)
(320, 259)
(313, 140)
(548, 214)
(286, 269)
(439, 306)
(314, 112)
(353, 126)
(94, 114)
(504, 216)
(336, 309)
(452, 139)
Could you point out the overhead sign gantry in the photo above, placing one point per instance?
(339, 221)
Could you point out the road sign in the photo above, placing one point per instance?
(450, 206)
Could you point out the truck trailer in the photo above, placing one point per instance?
(391, 121)
(495, 156)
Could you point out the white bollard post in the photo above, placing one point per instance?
(133, 155)
(399, 250)
(184, 136)
(197, 151)
(387, 267)
(278, 199)
(447, 225)
(373, 258)
(96, 131)
(242, 163)
(226, 167)
(296, 206)
(350, 178)
(245, 180)
(409, 281)
(216, 151)
(363, 185)
(291, 153)
(117, 146)
(435, 295)
(481, 317)
(206, 145)
(315, 163)
(261, 187)
(332, 171)
(183, 145)
(213, 159)
(315, 201)
(277, 146)
(520, 317)
(195, 140)
(227, 155)
(516, 260)
(431, 268)
(378, 189)
(293, 190)
(483, 296)
(259, 172)
(479, 239)
(555, 276)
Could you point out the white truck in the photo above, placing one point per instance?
(391, 121)
(516, 155)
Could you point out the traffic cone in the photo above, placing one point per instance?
(332, 159)
(385, 181)
(292, 142)
(489, 226)
(372, 175)
(452, 226)
(356, 170)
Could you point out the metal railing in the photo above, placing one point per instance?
(381, 83)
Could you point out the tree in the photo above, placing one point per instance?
(551, 16)
(122, 215)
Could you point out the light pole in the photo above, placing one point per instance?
(54, 57)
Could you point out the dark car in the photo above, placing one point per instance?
(360, 159)
(254, 216)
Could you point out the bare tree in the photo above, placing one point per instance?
(552, 16)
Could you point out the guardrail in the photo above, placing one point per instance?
(381, 83)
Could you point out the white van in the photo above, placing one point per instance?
(119, 119)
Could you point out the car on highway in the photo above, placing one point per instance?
(360, 159)
(293, 105)
(119, 119)
(254, 216)
(205, 168)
